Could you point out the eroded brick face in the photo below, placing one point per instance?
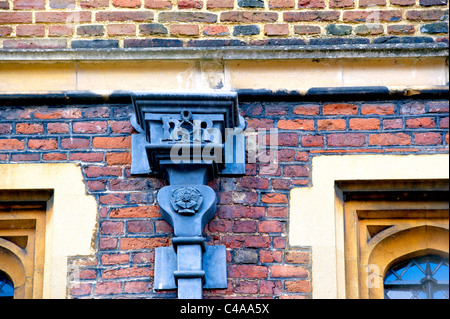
(253, 210)
(58, 24)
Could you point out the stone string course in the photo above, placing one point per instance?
(59, 24)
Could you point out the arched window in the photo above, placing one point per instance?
(6, 286)
(423, 277)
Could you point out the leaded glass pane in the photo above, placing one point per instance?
(418, 278)
(6, 286)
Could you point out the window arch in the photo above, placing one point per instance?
(424, 277)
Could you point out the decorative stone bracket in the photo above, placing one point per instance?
(188, 139)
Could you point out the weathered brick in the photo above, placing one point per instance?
(274, 198)
(113, 199)
(81, 289)
(88, 157)
(91, 30)
(297, 257)
(185, 29)
(364, 124)
(428, 3)
(271, 226)
(246, 30)
(91, 127)
(115, 259)
(213, 4)
(429, 138)
(5, 31)
(339, 109)
(380, 109)
(312, 141)
(295, 171)
(5, 128)
(190, 4)
(251, 182)
(248, 16)
(29, 128)
(62, 4)
(403, 2)
(28, 30)
(135, 212)
(420, 122)
(140, 226)
(158, 4)
(126, 3)
(342, 3)
(137, 287)
(67, 17)
(111, 142)
(108, 288)
(304, 125)
(251, 3)
(143, 243)
(88, 4)
(385, 139)
(106, 243)
(311, 16)
(206, 17)
(306, 30)
(372, 16)
(393, 124)
(319, 4)
(244, 226)
(278, 4)
(29, 4)
(16, 17)
(247, 271)
(425, 15)
(25, 157)
(44, 144)
(276, 29)
(124, 16)
(283, 184)
(123, 158)
(4, 4)
(298, 286)
(339, 30)
(216, 30)
(75, 143)
(288, 271)
(49, 114)
(401, 29)
(121, 29)
(346, 139)
(111, 228)
(438, 106)
(331, 125)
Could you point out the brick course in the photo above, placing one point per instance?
(62, 22)
(252, 212)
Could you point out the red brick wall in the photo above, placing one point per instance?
(252, 215)
(146, 23)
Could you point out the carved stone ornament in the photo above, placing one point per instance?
(186, 200)
(187, 129)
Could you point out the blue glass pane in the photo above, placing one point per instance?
(418, 278)
(399, 294)
(440, 294)
(413, 274)
(6, 287)
(390, 277)
(441, 274)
